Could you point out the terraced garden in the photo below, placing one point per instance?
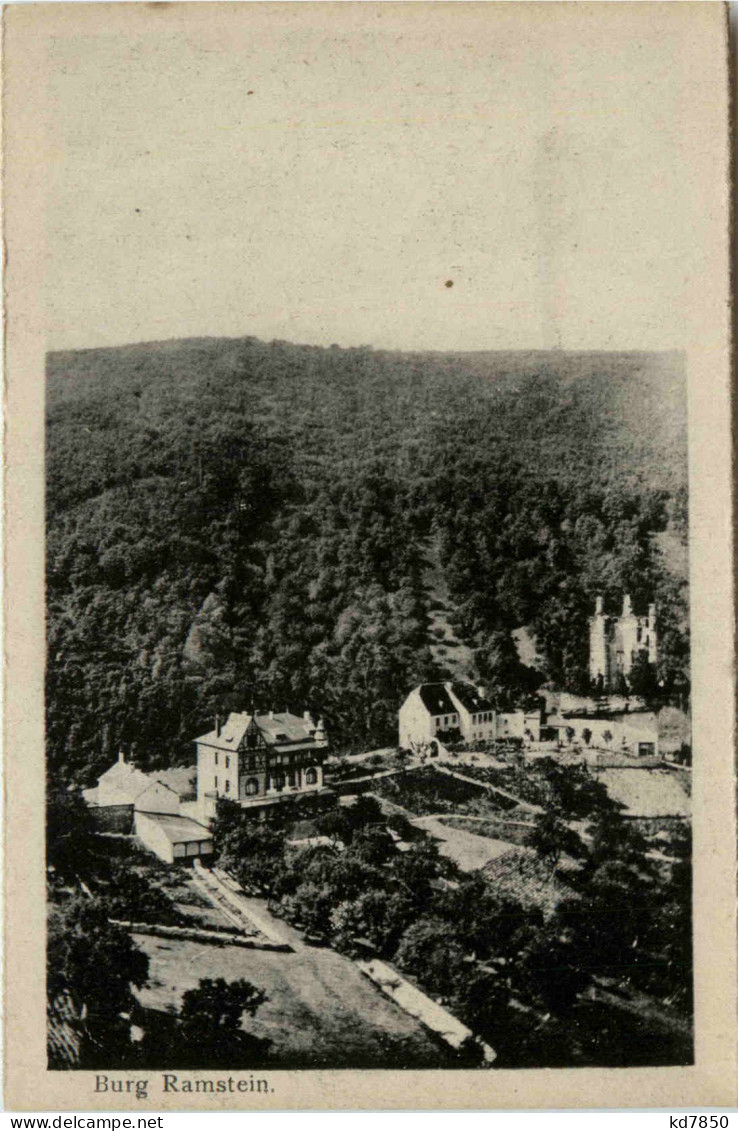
(425, 791)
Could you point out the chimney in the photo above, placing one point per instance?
(652, 615)
(121, 757)
(217, 726)
(599, 607)
(626, 605)
(271, 714)
(481, 691)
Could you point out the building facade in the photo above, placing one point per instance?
(446, 712)
(126, 800)
(260, 759)
(172, 837)
(124, 785)
(633, 733)
(615, 642)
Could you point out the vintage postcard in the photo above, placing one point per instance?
(369, 670)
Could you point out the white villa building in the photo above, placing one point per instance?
(457, 711)
(260, 759)
(454, 711)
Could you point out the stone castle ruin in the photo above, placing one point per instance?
(615, 643)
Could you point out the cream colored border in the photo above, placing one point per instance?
(27, 154)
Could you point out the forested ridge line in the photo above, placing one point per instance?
(236, 522)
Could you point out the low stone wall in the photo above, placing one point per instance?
(487, 787)
(361, 785)
(419, 1005)
(199, 934)
(230, 900)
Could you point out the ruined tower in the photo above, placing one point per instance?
(614, 643)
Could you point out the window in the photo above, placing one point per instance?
(278, 780)
(311, 777)
(228, 762)
(291, 777)
(252, 787)
(216, 757)
(251, 762)
(216, 781)
(227, 786)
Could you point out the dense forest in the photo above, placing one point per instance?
(235, 523)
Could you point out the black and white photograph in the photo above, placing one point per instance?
(368, 667)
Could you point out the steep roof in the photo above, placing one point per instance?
(231, 733)
(127, 779)
(153, 783)
(436, 699)
(120, 771)
(276, 728)
(292, 727)
(128, 782)
(470, 699)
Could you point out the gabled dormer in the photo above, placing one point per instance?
(252, 738)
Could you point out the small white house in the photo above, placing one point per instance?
(125, 784)
(445, 712)
(525, 725)
(458, 710)
(126, 801)
(477, 716)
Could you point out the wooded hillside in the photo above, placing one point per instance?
(234, 522)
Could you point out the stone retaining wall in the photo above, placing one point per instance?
(199, 934)
(419, 1005)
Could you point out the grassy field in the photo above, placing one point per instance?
(647, 793)
(514, 832)
(321, 1012)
